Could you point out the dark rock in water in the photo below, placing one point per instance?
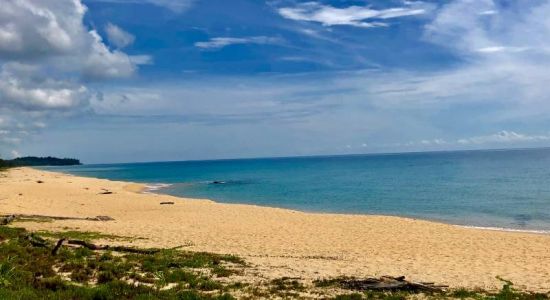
(218, 182)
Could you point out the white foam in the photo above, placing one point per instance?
(153, 187)
(507, 229)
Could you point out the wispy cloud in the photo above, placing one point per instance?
(358, 16)
(501, 49)
(177, 6)
(503, 137)
(221, 42)
(118, 36)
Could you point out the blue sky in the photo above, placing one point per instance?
(149, 80)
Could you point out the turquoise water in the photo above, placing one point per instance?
(505, 189)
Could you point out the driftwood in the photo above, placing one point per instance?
(387, 283)
(58, 246)
(36, 241)
(7, 219)
(95, 247)
(105, 192)
(166, 203)
(11, 218)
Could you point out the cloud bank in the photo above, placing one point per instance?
(47, 56)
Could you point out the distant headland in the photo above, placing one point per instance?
(30, 161)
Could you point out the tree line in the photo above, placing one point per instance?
(38, 161)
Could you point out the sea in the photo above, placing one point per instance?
(493, 189)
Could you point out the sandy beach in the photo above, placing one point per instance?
(279, 242)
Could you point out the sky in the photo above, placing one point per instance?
(158, 80)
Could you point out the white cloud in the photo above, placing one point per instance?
(503, 137)
(118, 36)
(358, 16)
(177, 6)
(471, 27)
(497, 49)
(15, 154)
(221, 42)
(141, 59)
(51, 32)
(174, 5)
(25, 93)
(103, 63)
(46, 56)
(40, 28)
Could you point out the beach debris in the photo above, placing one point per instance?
(58, 246)
(167, 203)
(100, 218)
(39, 181)
(95, 247)
(13, 217)
(389, 283)
(5, 220)
(36, 241)
(105, 192)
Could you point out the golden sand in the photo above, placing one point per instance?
(280, 242)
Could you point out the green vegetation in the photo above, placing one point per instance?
(28, 270)
(81, 235)
(3, 164)
(38, 161)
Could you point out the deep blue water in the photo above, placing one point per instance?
(493, 188)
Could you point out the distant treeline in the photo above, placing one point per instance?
(38, 161)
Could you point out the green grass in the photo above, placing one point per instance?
(80, 235)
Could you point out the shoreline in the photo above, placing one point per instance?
(156, 188)
(281, 242)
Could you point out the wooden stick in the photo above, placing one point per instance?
(58, 246)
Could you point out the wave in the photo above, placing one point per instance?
(507, 229)
(154, 187)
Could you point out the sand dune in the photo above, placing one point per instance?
(281, 242)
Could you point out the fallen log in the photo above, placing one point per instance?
(58, 246)
(388, 283)
(7, 219)
(36, 241)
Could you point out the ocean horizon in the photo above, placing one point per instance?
(503, 189)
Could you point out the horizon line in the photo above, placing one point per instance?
(323, 155)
